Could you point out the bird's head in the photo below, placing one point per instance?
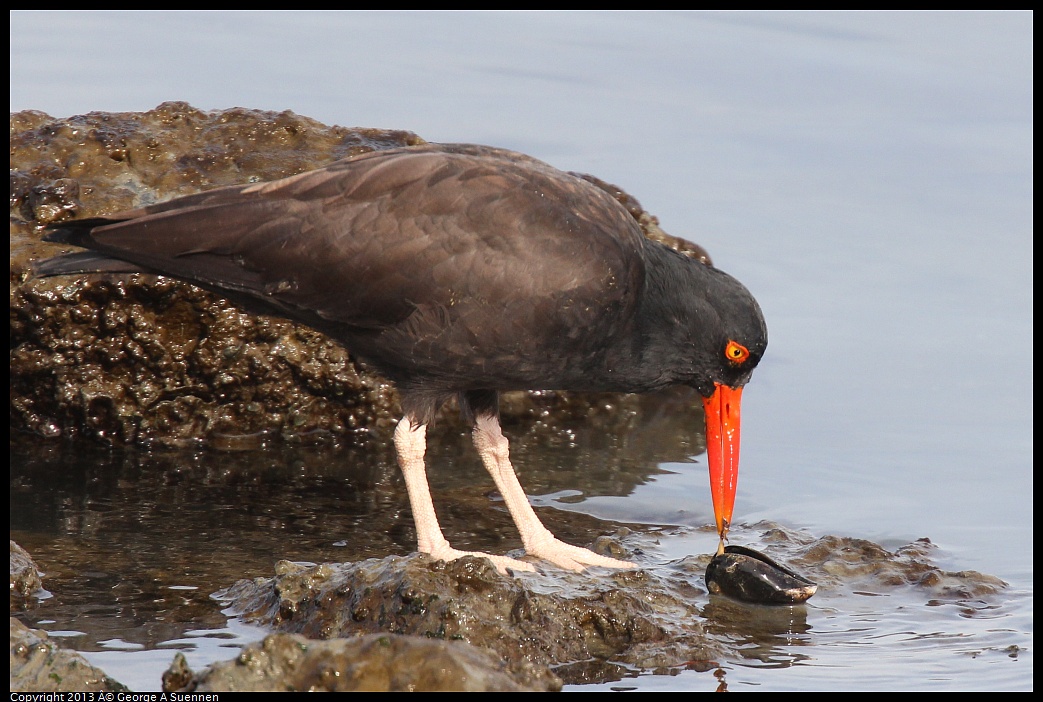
(731, 341)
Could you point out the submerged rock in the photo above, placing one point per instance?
(39, 665)
(25, 577)
(374, 663)
(534, 631)
(862, 565)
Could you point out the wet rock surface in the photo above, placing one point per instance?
(149, 361)
(532, 630)
(38, 664)
(594, 627)
(25, 577)
(862, 565)
(610, 620)
(374, 663)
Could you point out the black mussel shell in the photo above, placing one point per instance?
(749, 576)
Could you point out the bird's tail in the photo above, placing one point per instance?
(78, 233)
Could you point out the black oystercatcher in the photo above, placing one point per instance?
(461, 270)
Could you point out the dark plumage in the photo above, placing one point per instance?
(460, 270)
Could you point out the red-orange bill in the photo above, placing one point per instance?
(722, 451)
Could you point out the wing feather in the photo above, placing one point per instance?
(451, 251)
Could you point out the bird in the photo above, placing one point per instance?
(460, 270)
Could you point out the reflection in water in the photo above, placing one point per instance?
(133, 543)
(768, 636)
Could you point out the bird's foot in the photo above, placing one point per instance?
(504, 564)
(561, 554)
(568, 556)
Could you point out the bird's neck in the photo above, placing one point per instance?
(655, 353)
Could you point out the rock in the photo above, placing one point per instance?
(373, 663)
(530, 621)
(38, 665)
(25, 577)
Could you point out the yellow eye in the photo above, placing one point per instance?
(736, 352)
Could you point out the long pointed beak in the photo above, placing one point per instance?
(722, 452)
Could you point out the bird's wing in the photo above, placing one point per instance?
(368, 241)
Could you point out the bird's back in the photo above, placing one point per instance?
(453, 264)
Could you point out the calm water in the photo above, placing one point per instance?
(867, 175)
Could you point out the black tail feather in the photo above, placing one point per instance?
(82, 262)
(75, 232)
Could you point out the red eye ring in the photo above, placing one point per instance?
(736, 352)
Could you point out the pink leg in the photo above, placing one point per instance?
(410, 445)
(493, 448)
